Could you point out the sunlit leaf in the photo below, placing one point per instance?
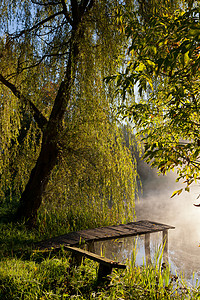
(178, 192)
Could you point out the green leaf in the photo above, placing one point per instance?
(178, 192)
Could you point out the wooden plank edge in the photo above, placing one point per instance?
(96, 257)
(141, 222)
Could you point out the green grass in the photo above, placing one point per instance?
(29, 275)
(52, 278)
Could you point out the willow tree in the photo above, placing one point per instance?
(60, 137)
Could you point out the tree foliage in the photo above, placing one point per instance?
(164, 71)
(60, 137)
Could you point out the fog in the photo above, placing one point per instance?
(156, 204)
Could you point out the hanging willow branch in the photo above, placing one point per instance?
(38, 116)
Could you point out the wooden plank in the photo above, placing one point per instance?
(160, 224)
(68, 240)
(71, 238)
(115, 233)
(143, 226)
(137, 229)
(105, 233)
(97, 232)
(131, 229)
(151, 224)
(87, 236)
(119, 231)
(147, 226)
(131, 232)
(112, 231)
(95, 257)
(142, 229)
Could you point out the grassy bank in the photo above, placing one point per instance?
(52, 278)
(26, 274)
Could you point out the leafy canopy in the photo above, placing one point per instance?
(164, 70)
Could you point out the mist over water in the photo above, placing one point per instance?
(157, 205)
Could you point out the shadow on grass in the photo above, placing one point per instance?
(15, 238)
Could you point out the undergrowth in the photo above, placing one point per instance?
(52, 278)
(26, 274)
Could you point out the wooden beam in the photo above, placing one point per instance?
(105, 264)
(103, 273)
(100, 259)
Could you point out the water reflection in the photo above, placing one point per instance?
(181, 261)
(124, 248)
(157, 205)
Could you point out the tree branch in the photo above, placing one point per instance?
(66, 13)
(45, 4)
(38, 116)
(86, 5)
(79, 10)
(75, 13)
(38, 24)
(39, 62)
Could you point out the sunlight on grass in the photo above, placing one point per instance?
(29, 275)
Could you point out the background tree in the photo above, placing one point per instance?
(164, 63)
(57, 116)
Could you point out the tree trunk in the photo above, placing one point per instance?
(32, 196)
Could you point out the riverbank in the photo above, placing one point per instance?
(37, 277)
(27, 275)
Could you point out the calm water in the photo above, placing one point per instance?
(182, 260)
(157, 205)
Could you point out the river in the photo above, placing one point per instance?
(157, 205)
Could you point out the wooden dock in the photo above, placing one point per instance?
(104, 233)
(73, 242)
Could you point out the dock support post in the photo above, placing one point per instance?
(76, 259)
(147, 249)
(90, 247)
(103, 272)
(165, 246)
